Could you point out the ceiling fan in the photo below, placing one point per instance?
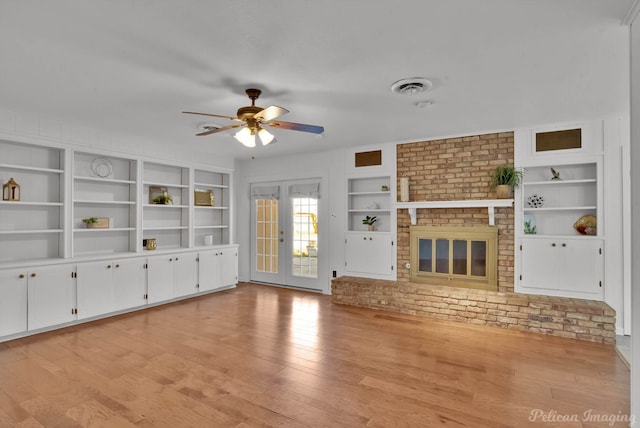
(253, 120)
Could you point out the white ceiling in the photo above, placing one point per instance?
(132, 66)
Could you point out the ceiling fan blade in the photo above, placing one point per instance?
(213, 131)
(213, 115)
(270, 113)
(297, 127)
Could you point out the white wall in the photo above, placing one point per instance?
(47, 131)
(327, 165)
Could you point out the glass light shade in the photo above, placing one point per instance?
(265, 136)
(246, 137)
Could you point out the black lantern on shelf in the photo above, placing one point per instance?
(11, 191)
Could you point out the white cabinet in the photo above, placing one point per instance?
(13, 302)
(218, 268)
(559, 266)
(94, 288)
(369, 254)
(32, 227)
(185, 274)
(51, 296)
(129, 284)
(109, 285)
(171, 276)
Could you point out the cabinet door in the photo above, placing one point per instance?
(218, 269)
(94, 288)
(13, 303)
(129, 284)
(570, 267)
(159, 278)
(208, 270)
(541, 267)
(583, 266)
(227, 267)
(185, 274)
(369, 253)
(51, 297)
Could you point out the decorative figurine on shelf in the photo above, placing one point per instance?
(369, 221)
(586, 225)
(384, 188)
(535, 201)
(11, 191)
(555, 175)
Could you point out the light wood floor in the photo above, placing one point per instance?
(265, 356)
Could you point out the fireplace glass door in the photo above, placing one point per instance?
(461, 256)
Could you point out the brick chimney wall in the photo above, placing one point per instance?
(457, 169)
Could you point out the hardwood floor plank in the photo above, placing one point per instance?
(259, 356)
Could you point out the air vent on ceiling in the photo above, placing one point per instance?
(411, 86)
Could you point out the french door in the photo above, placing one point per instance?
(285, 223)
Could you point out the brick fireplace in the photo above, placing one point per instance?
(457, 169)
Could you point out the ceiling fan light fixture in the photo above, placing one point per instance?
(246, 137)
(411, 86)
(266, 137)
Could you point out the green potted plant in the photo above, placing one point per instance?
(369, 221)
(96, 222)
(90, 221)
(163, 200)
(504, 179)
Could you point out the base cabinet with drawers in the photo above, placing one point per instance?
(45, 297)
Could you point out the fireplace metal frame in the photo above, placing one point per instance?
(488, 234)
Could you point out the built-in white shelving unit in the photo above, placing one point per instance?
(369, 196)
(33, 227)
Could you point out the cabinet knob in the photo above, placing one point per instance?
(21, 276)
(365, 238)
(117, 266)
(176, 259)
(170, 260)
(370, 238)
(553, 244)
(108, 266)
(33, 275)
(564, 245)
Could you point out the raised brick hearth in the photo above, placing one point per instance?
(557, 316)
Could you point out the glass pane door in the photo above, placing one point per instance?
(285, 246)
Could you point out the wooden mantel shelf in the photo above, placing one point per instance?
(490, 204)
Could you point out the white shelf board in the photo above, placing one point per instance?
(211, 227)
(559, 182)
(29, 203)
(31, 168)
(153, 183)
(29, 231)
(86, 201)
(164, 206)
(216, 186)
(165, 228)
(368, 210)
(206, 207)
(103, 180)
(490, 204)
(557, 209)
(377, 193)
(105, 229)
